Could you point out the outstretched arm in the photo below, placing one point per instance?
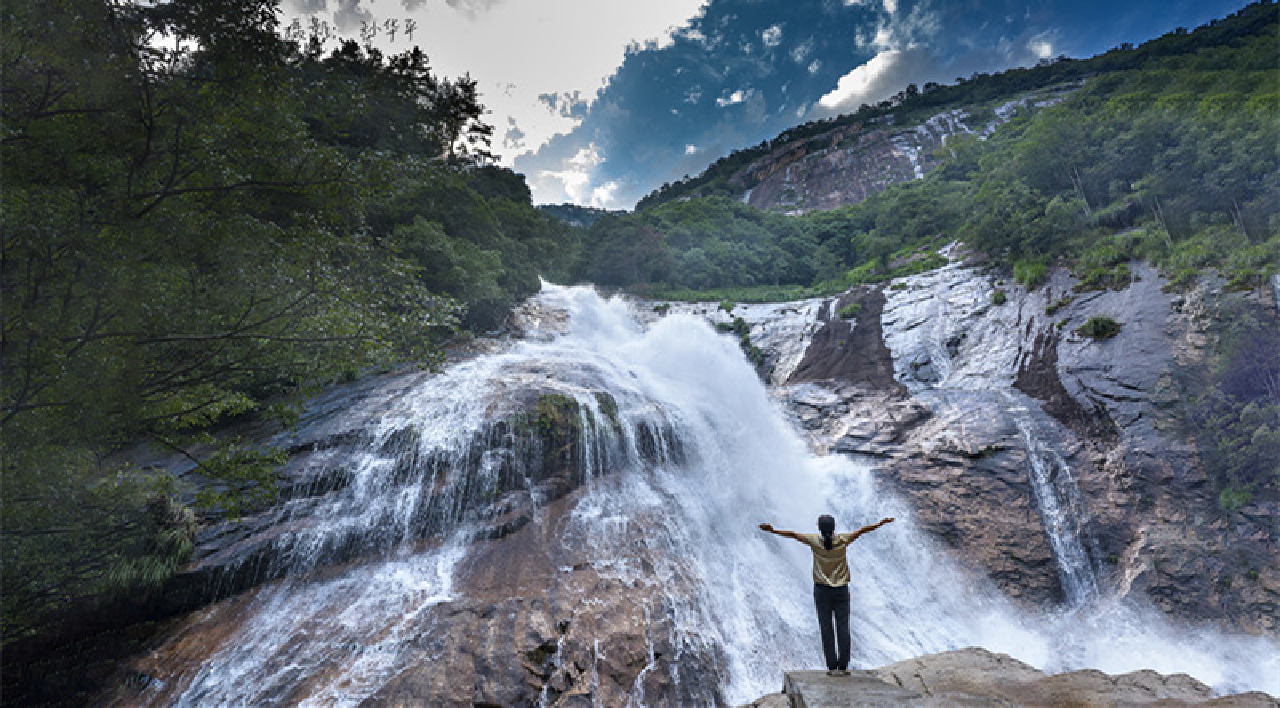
(872, 527)
(780, 532)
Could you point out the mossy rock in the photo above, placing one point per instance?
(850, 311)
(1099, 327)
(608, 407)
(557, 415)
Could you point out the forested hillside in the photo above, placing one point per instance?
(202, 218)
(1168, 152)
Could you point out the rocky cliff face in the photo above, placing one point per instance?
(1050, 460)
(850, 163)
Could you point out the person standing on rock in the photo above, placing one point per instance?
(830, 584)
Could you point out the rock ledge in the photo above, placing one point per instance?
(977, 677)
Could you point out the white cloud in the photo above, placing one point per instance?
(1041, 45)
(605, 196)
(772, 36)
(574, 180)
(691, 149)
(865, 84)
(883, 38)
(736, 97)
(802, 51)
(891, 6)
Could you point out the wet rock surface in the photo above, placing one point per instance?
(849, 350)
(533, 619)
(985, 382)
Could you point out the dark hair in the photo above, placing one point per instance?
(827, 525)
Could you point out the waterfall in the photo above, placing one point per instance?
(1062, 509)
(679, 455)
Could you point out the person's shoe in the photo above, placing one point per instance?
(843, 672)
(833, 672)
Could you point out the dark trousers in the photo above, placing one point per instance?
(833, 603)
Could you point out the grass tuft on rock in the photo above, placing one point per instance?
(1099, 327)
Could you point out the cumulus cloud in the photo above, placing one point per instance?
(884, 75)
(734, 98)
(772, 36)
(890, 70)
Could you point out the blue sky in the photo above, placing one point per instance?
(599, 101)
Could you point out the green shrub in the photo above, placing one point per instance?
(728, 305)
(1058, 304)
(1099, 327)
(933, 261)
(866, 273)
(662, 309)
(1233, 498)
(1181, 280)
(851, 310)
(999, 297)
(1117, 276)
(1030, 272)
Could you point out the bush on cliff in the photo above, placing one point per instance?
(1099, 327)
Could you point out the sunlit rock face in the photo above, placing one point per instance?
(847, 164)
(1051, 460)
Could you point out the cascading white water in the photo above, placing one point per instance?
(731, 461)
(1062, 509)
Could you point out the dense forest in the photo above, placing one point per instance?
(206, 218)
